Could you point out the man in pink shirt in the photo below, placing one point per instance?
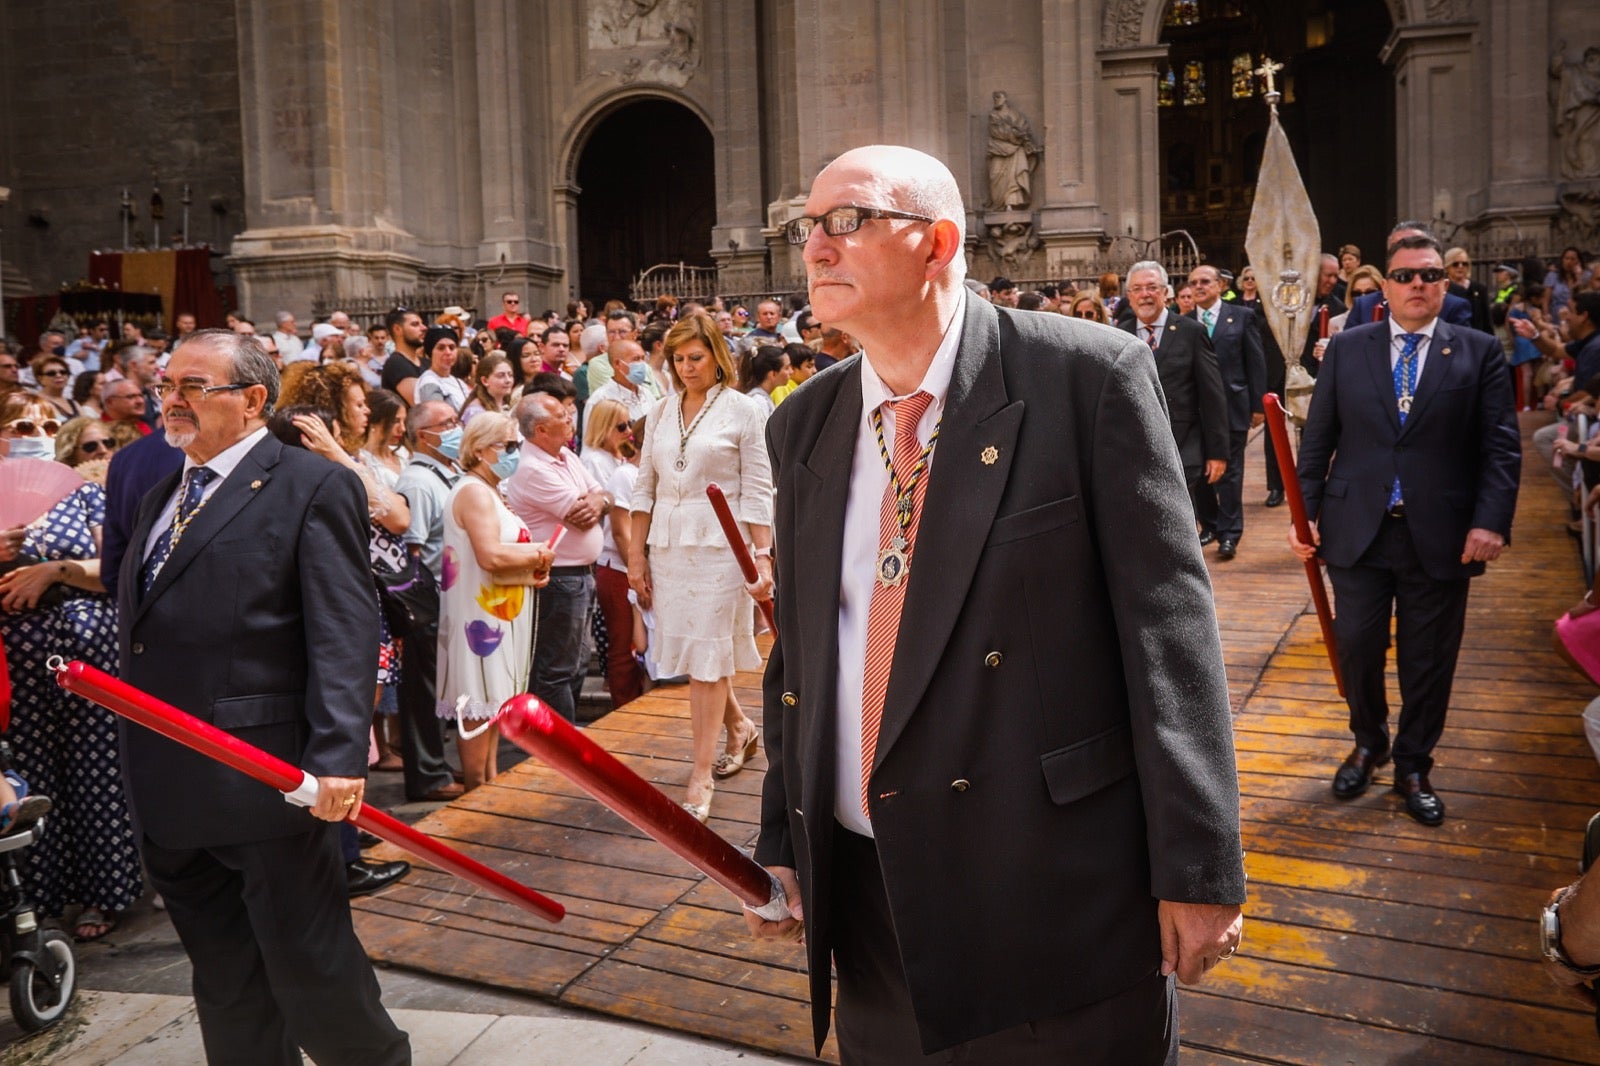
(552, 488)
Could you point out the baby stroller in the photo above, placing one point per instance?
(43, 972)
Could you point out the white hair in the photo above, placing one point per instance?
(1149, 266)
(283, 316)
(592, 339)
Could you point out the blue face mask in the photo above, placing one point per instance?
(450, 444)
(507, 465)
(33, 448)
(639, 373)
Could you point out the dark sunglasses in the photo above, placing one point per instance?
(510, 447)
(52, 373)
(93, 447)
(1404, 275)
(27, 427)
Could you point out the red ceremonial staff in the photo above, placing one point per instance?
(531, 725)
(1302, 528)
(747, 565)
(296, 785)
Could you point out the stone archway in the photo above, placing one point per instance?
(641, 191)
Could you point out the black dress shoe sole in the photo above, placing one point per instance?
(1352, 793)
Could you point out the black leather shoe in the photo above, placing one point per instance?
(365, 878)
(1355, 773)
(1207, 537)
(368, 840)
(1421, 802)
(1275, 498)
(1227, 549)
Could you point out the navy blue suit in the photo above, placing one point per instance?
(1458, 458)
(1241, 359)
(1457, 310)
(134, 471)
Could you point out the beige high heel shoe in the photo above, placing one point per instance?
(731, 762)
(701, 811)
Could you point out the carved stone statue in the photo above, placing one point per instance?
(1013, 153)
(1577, 118)
(1011, 243)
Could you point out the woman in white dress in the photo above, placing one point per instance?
(679, 562)
(440, 347)
(485, 612)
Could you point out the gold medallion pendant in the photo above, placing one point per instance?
(893, 565)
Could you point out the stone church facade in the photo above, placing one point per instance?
(363, 148)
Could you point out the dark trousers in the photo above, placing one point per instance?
(421, 732)
(1220, 507)
(276, 961)
(873, 1016)
(1430, 616)
(560, 654)
(1277, 374)
(624, 676)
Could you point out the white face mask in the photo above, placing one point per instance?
(33, 448)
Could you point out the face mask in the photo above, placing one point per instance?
(639, 373)
(33, 448)
(450, 444)
(507, 465)
(60, 349)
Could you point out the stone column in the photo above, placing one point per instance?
(316, 192)
(1441, 155)
(1129, 143)
(1516, 41)
(1066, 187)
(738, 244)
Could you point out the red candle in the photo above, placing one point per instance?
(207, 739)
(1322, 322)
(1302, 527)
(531, 725)
(747, 565)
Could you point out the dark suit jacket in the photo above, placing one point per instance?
(1477, 298)
(1457, 311)
(134, 471)
(1083, 700)
(1308, 351)
(1277, 366)
(1197, 402)
(1458, 458)
(263, 622)
(1241, 359)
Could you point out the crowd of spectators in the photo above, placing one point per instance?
(549, 472)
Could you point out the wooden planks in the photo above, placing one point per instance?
(1369, 938)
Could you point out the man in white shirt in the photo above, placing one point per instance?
(627, 385)
(289, 343)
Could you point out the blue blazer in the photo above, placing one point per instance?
(1457, 311)
(1458, 457)
(1241, 359)
(134, 471)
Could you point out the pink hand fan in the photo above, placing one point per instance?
(30, 487)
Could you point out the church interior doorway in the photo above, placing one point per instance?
(648, 196)
(1337, 110)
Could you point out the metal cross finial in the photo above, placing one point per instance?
(1268, 70)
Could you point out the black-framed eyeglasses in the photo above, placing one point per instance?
(194, 391)
(841, 220)
(52, 373)
(1404, 275)
(93, 447)
(442, 427)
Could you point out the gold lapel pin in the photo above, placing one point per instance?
(256, 484)
(990, 454)
(1444, 351)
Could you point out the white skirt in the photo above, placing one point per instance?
(704, 620)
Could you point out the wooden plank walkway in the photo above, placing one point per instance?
(1369, 938)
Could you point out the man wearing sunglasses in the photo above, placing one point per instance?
(1409, 467)
(1004, 755)
(1374, 306)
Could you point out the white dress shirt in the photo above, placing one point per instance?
(1151, 334)
(869, 479)
(222, 464)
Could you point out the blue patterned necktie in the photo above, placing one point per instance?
(194, 488)
(1405, 387)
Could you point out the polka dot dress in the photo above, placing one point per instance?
(66, 746)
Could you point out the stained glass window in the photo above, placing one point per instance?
(1244, 85)
(1184, 13)
(1167, 88)
(1194, 83)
